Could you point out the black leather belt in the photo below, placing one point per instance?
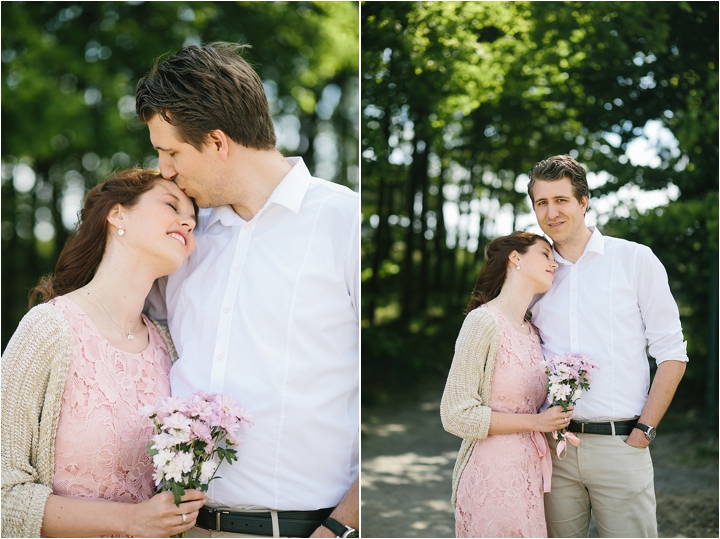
(291, 523)
(592, 427)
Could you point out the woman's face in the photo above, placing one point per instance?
(538, 263)
(159, 228)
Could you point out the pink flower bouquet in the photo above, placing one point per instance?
(188, 447)
(568, 377)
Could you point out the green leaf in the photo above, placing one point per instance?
(178, 491)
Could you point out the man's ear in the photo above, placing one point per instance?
(219, 142)
(584, 203)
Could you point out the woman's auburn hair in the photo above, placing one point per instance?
(85, 247)
(492, 277)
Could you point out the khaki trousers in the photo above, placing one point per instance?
(607, 476)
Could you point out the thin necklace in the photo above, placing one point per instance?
(522, 324)
(129, 333)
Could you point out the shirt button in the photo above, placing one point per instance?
(574, 338)
(236, 268)
(248, 226)
(226, 310)
(220, 357)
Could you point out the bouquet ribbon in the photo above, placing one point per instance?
(562, 444)
(543, 449)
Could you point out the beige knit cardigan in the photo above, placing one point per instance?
(34, 370)
(464, 409)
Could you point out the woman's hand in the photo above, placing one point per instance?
(554, 418)
(160, 517)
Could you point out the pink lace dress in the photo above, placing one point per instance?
(100, 447)
(500, 491)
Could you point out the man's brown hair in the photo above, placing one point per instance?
(203, 88)
(556, 168)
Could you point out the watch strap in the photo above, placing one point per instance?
(649, 431)
(336, 527)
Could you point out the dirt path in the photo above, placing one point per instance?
(407, 463)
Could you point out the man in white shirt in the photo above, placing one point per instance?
(266, 309)
(611, 301)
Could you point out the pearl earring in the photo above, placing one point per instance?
(517, 267)
(121, 232)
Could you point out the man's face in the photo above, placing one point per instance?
(193, 171)
(558, 212)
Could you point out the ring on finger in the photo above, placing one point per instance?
(184, 518)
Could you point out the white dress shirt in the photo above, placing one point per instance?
(267, 312)
(612, 304)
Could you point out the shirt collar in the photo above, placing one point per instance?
(290, 193)
(596, 244)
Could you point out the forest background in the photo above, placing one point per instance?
(69, 71)
(459, 100)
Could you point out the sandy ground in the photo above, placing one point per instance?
(407, 463)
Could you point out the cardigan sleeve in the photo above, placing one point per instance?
(463, 410)
(165, 334)
(34, 371)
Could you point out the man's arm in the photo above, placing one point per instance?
(668, 376)
(347, 512)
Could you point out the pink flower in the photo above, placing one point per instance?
(172, 404)
(199, 407)
(177, 421)
(201, 430)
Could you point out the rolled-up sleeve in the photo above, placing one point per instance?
(659, 310)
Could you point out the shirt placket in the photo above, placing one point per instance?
(573, 306)
(227, 309)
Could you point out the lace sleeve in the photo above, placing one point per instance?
(34, 369)
(464, 409)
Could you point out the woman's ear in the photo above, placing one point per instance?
(116, 217)
(514, 258)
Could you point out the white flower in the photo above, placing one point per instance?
(158, 476)
(207, 469)
(559, 392)
(577, 394)
(162, 457)
(164, 441)
(179, 464)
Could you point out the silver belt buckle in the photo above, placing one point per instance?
(582, 428)
(217, 518)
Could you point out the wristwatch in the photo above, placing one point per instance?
(650, 432)
(340, 530)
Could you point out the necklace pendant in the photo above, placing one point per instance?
(130, 337)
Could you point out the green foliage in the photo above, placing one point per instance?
(68, 102)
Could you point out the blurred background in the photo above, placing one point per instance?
(69, 71)
(459, 100)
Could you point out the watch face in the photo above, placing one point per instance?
(353, 533)
(651, 433)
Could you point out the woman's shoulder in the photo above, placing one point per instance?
(484, 316)
(46, 318)
(41, 343)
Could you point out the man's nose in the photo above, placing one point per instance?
(166, 168)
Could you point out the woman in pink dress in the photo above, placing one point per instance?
(494, 390)
(81, 367)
